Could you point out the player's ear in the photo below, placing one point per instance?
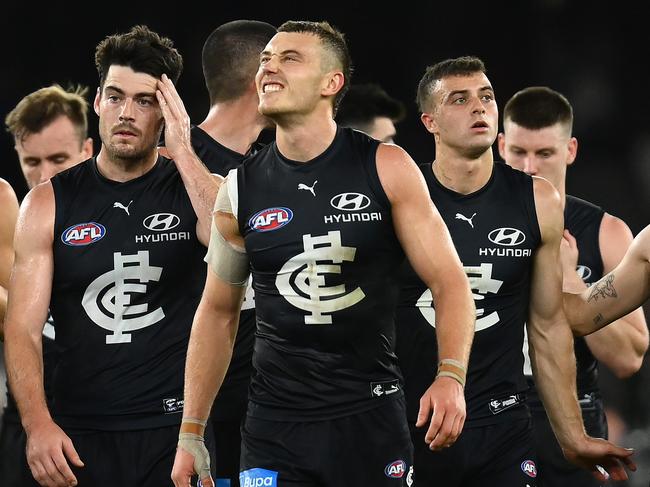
(573, 151)
(96, 101)
(429, 122)
(501, 145)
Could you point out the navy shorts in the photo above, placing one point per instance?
(554, 469)
(14, 471)
(499, 454)
(142, 458)
(372, 448)
(227, 450)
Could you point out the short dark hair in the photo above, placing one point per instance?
(365, 102)
(461, 66)
(333, 40)
(538, 107)
(231, 56)
(38, 109)
(140, 49)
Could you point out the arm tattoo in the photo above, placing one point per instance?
(603, 289)
(598, 319)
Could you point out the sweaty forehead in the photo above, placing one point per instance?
(469, 82)
(301, 42)
(124, 78)
(534, 139)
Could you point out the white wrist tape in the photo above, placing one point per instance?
(195, 446)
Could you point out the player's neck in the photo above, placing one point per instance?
(122, 170)
(235, 125)
(461, 174)
(304, 139)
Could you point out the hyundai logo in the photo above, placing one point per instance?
(508, 237)
(350, 201)
(584, 272)
(161, 222)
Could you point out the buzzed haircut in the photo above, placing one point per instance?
(461, 66)
(365, 102)
(142, 50)
(231, 57)
(333, 40)
(38, 109)
(539, 107)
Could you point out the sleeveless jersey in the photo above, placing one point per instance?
(495, 232)
(231, 401)
(583, 220)
(324, 258)
(128, 276)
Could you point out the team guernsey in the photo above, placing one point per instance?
(323, 256)
(495, 232)
(231, 401)
(128, 276)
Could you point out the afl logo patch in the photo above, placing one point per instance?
(508, 237)
(529, 468)
(83, 234)
(395, 470)
(270, 219)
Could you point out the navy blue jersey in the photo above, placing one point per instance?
(128, 276)
(324, 258)
(495, 232)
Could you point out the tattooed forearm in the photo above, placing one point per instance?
(598, 319)
(603, 289)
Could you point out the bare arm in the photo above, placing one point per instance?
(29, 298)
(434, 258)
(209, 352)
(621, 345)
(616, 294)
(210, 349)
(9, 205)
(200, 184)
(551, 345)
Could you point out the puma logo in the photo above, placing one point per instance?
(468, 220)
(117, 204)
(308, 188)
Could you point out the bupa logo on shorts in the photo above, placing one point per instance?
(270, 219)
(258, 477)
(350, 201)
(396, 469)
(161, 222)
(529, 468)
(508, 237)
(83, 234)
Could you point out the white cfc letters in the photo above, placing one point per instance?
(107, 299)
(480, 281)
(301, 281)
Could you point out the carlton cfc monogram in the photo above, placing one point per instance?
(107, 300)
(304, 275)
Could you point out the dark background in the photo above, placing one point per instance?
(594, 53)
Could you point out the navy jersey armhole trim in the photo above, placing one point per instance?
(528, 197)
(373, 177)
